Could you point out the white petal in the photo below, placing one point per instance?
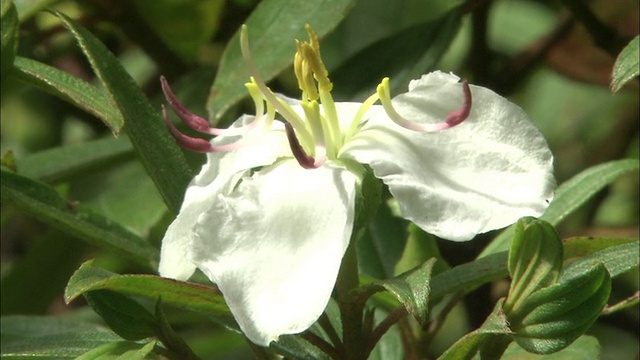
(481, 175)
(274, 246)
(219, 174)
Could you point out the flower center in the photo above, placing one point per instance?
(318, 135)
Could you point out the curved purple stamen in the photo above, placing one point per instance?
(198, 144)
(306, 161)
(456, 117)
(196, 122)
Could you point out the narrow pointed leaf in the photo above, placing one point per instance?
(412, 290)
(627, 66)
(570, 196)
(39, 337)
(156, 149)
(71, 89)
(65, 163)
(9, 44)
(272, 32)
(42, 202)
(184, 295)
(122, 350)
(124, 316)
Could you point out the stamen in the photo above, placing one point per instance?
(357, 119)
(454, 118)
(198, 144)
(306, 161)
(196, 122)
(284, 109)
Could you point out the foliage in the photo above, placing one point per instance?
(91, 178)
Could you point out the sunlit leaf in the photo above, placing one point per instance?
(71, 89)
(37, 337)
(273, 26)
(156, 149)
(184, 295)
(122, 350)
(627, 65)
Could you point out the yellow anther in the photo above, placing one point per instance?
(304, 74)
(312, 54)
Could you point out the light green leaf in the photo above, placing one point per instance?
(627, 65)
(9, 44)
(71, 89)
(585, 348)
(65, 163)
(273, 26)
(122, 350)
(570, 196)
(618, 259)
(183, 295)
(37, 337)
(41, 201)
(535, 261)
(156, 149)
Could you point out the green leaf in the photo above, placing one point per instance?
(570, 196)
(583, 246)
(183, 25)
(421, 47)
(121, 350)
(156, 149)
(535, 261)
(491, 339)
(412, 290)
(71, 89)
(71, 161)
(183, 295)
(42, 202)
(28, 8)
(124, 316)
(9, 43)
(170, 337)
(554, 317)
(618, 259)
(273, 26)
(627, 65)
(585, 348)
(25, 337)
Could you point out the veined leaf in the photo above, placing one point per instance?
(273, 26)
(44, 203)
(156, 149)
(627, 65)
(71, 89)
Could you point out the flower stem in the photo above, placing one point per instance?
(355, 344)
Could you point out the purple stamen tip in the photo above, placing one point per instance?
(193, 121)
(458, 116)
(306, 161)
(190, 143)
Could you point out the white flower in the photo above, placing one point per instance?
(271, 213)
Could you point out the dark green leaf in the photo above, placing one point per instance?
(421, 47)
(554, 317)
(184, 295)
(124, 316)
(42, 202)
(9, 44)
(65, 163)
(25, 337)
(412, 290)
(535, 260)
(570, 196)
(273, 26)
(583, 246)
(183, 25)
(71, 89)
(627, 65)
(170, 337)
(156, 149)
(491, 339)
